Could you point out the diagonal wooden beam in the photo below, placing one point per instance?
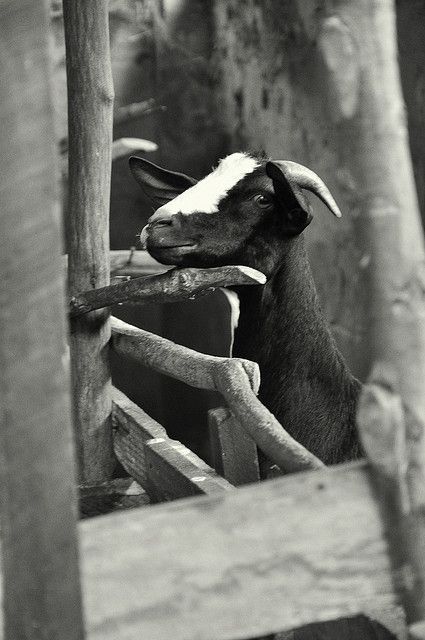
(236, 379)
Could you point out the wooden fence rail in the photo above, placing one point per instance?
(242, 563)
(162, 466)
(236, 379)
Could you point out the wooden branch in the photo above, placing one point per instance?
(125, 146)
(39, 547)
(113, 495)
(165, 468)
(125, 114)
(236, 379)
(90, 107)
(136, 110)
(172, 286)
(234, 451)
(261, 559)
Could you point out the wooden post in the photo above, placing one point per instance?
(234, 451)
(359, 49)
(39, 546)
(90, 112)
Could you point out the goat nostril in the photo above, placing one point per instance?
(161, 222)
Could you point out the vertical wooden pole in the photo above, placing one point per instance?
(38, 524)
(359, 48)
(234, 452)
(90, 105)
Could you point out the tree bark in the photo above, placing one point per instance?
(171, 286)
(41, 595)
(359, 49)
(90, 112)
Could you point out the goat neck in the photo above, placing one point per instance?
(305, 382)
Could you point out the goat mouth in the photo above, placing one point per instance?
(169, 254)
(186, 246)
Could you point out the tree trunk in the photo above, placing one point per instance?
(39, 546)
(90, 111)
(364, 85)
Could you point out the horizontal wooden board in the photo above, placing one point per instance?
(165, 468)
(263, 558)
(267, 557)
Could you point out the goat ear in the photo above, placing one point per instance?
(296, 209)
(160, 185)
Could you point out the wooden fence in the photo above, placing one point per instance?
(227, 564)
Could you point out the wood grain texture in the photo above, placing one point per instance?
(194, 368)
(234, 451)
(128, 262)
(235, 378)
(165, 468)
(394, 398)
(38, 504)
(90, 108)
(173, 286)
(267, 557)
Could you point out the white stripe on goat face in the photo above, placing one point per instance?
(207, 193)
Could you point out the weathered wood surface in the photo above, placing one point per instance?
(358, 42)
(39, 544)
(128, 262)
(113, 495)
(90, 107)
(124, 114)
(135, 263)
(194, 368)
(260, 559)
(234, 451)
(235, 378)
(172, 286)
(165, 468)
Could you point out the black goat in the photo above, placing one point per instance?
(251, 211)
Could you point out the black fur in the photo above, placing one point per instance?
(305, 382)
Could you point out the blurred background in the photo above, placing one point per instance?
(228, 75)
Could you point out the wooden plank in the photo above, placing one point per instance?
(39, 545)
(113, 495)
(173, 471)
(128, 262)
(234, 451)
(90, 105)
(165, 468)
(267, 557)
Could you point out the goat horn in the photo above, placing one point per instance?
(307, 179)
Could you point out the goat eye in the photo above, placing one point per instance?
(262, 201)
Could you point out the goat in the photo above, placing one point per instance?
(252, 211)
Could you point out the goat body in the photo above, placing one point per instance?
(252, 211)
(304, 380)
